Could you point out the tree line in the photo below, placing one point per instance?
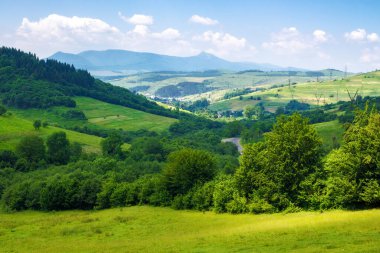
(189, 168)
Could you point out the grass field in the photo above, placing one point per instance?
(329, 130)
(101, 114)
(114, 116)
(12, 129)
(314, 93)
(149, 229)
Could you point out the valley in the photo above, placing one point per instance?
(162, 126)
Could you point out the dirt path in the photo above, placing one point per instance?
(235, 141)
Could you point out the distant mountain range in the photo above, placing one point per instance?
(119, 62)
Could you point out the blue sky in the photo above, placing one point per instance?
(307, 34)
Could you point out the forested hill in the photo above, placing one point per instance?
(28, 82)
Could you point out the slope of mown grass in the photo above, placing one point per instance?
(100, 114)
(114, 116)
(150, 229)
(12, 129)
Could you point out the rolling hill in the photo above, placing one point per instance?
(28, 82)
(315, 93)
(117, 62)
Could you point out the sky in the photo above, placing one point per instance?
(299, 33)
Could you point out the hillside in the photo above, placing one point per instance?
(116, 62)
(28, 82)
(213, 85)
(133, 229)
(315, 93)
(13, 129)
(99, 114)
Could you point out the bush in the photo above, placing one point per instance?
(223, 193)
(260, 206)
(237, 205)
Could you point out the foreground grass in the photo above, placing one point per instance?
(149, 229)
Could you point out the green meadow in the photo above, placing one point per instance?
(13, 129)
(314, 93)
(101, 114)
(153, 229)
(330, 131)
(115, 116)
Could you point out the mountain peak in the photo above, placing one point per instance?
(204, 54)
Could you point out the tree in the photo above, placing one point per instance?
(111, 146)
(75, 151)
(186, 168)
(3, 110)
(58, 148)
(37, 124)
(254, 111)
(276, 168)
(31, 148)
(7, 159)
(357, 162)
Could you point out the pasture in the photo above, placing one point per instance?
(154, 229)
(13, 129)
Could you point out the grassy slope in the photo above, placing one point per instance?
(12, 129)
(114, 116)
(101, 114)
(328, 130)
(223, 83)
(328, 92)
(149, 229)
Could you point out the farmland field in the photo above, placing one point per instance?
(150, 229)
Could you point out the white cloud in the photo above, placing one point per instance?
(203, 20)
(324, 56)
(373, 37)
(223, 40)
(320, 36)
(225, 45)
(74, 34)
(137, 19)
(169, 33)
(356, 35)
(371, 55)
(287, 41)
(56, 32)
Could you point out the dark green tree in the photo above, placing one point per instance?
(37, 124)
(58, 148)
(186, 168)
(3, 110)
(111, 146)
(31, 148)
